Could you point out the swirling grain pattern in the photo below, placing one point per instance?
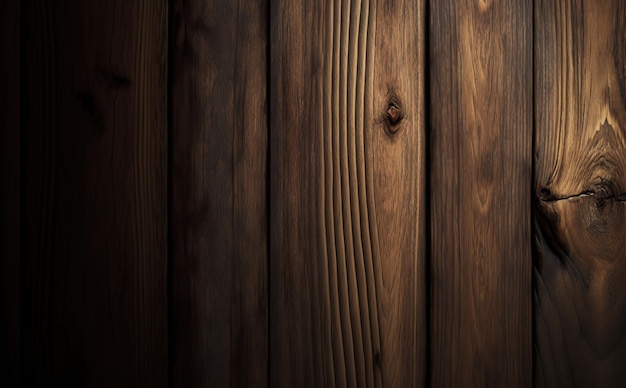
(579, 191)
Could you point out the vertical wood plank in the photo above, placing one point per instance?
(579, 190)
(481, 112)
(10, 193)
(218, 194)
(94, 300)
(347, 289)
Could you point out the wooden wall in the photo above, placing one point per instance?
(376, 193)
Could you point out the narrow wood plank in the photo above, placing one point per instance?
(481, 112)
(580, 189)
(10, 193)
(94, 299)
(218, 194)
(347, 295)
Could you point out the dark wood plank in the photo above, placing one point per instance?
(218, 187)
(580, 189)
(94, 295)
(347, 295)
(481, 112)
(9, 193)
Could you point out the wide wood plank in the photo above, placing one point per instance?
(94, 259)
(347, 280)
(580, 189)
(218, 316)
(481, 113)
(10, 193)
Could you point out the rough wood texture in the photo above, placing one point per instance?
(481, 112)
(218, 317)
(9, 193)
(94, 259)
(347, 295)
(580, 189)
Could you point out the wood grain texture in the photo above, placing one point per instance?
(219, 296)
(347, 294)
(9, 193)
(94, 259)
(481, 113)
(580, 189)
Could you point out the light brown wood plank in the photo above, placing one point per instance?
(580, 189)
(10, 193)
(347, 294)
(218, 186)
(94, 259)
(481, 113)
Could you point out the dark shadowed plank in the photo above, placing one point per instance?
(580, 189)
(347, 295)
(93, 275)
(481, 77)
(218, 186)
(9, 193)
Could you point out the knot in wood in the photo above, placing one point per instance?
(546, 194)
(394, 114)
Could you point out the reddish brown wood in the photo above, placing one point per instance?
(347, 266)
(480, 177)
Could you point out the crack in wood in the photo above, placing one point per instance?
(588, 193)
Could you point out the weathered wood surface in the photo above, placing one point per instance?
(94, 251)
(480, 155)
(218, 202)
(130, 261)
(347, 280)
(9, 193)
(580, 189)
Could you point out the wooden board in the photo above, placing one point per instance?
(94, 252)
(580, 189)
(347, 278)
(480, 176)
(10, 193)
(218, 316)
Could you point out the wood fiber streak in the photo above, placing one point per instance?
(9, 193)
(580, 189)
(347, 296)
(481, 113)
(219, 203)
(94, 258)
